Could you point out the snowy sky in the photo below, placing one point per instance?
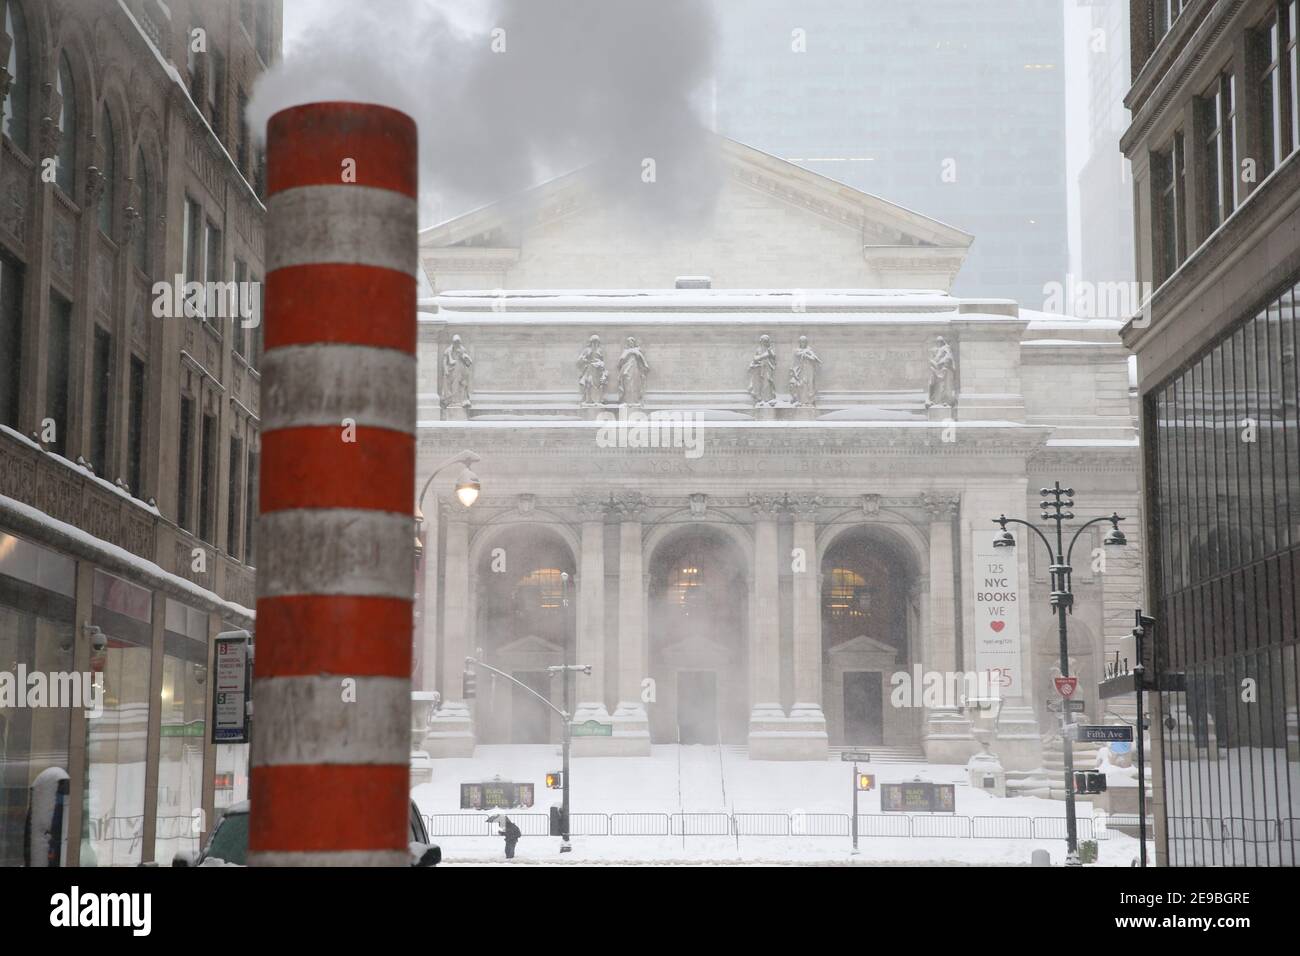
(300, 14)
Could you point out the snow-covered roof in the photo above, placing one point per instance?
(786, 301)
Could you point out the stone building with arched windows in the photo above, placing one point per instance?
(129, 432)
(758, 502)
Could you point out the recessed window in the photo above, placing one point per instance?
(185, 454)
(207, 477)
(11, 339)
(1267, 44)
(541, 590)
(15, 116)
(847, 597)
(144, 225)
(135, 428)
(108, 201)
(58, 357)
(101, 392)
(234, 505)
(65, 160)
(1293, 70)
(1167, 169)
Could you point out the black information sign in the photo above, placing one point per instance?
(918, 797)
(496, 795)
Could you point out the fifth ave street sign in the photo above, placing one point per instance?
(1107, 734)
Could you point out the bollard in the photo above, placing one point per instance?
(331, 734)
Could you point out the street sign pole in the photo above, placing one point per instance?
(855, 806)
(1141, 623)
(565, 845)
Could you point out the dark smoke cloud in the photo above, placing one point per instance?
(579, 81)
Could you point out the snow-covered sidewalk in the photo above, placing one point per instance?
(722, 780)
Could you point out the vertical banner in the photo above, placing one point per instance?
(996, 581)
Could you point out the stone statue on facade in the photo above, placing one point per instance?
(632, 372)
(943, 375)
(592, 373)
(762, 373)
(456, 366)
(803, 374)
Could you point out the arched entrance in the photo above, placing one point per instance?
(522, 627)
(699, 611)
(870, 619)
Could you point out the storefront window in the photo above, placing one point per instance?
(36, 637)
(117, 741)
(182, 731)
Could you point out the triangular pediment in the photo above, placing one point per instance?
(530, 645)
(773, 224)
(862, 644)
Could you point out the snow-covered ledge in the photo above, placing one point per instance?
(23, 519)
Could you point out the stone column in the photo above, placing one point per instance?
(806, 716)
(947, 737)
(631, 724)
(589, 691)
(768, 727)
(452, 729)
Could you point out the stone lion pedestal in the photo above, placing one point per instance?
(451, 732)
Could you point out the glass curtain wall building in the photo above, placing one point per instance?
(1224, 452)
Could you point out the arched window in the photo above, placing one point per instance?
(847, 597)
(108, 202)
(65, 172)
(542, 590)
(15, 123)
(143, 226)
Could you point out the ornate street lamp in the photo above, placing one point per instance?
(1062, 602)
(467, 492)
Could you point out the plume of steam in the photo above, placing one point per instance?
(522, 90)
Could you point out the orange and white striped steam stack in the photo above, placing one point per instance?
(331, 719)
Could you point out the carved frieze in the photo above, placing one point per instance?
(14, 198)
(940, 506)
(627, 505)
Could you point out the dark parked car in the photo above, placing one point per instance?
(229, 841)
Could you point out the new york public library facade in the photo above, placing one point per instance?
(772, 489)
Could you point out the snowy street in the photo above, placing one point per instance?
(686, 794)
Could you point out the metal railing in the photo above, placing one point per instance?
(778, 824)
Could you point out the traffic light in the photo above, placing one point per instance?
(1089, 781)
(866, 781)
(468, 685)
(555, 780)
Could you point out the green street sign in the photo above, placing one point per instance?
(592, 728)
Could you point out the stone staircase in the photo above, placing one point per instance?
(1049, 779)
(883, 754)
